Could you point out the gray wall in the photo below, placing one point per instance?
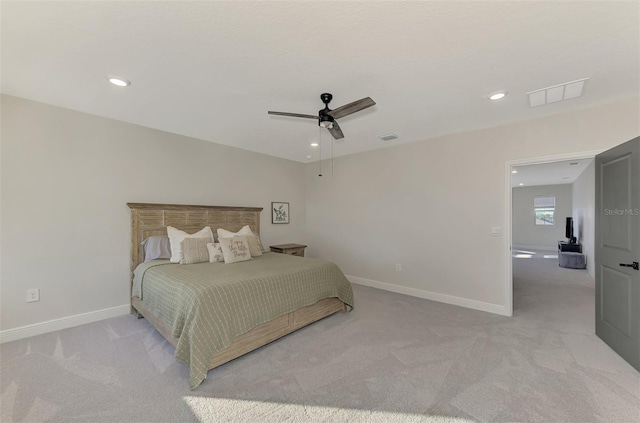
(584, 197)
(66, 179)
(430, 205)
(525, 233)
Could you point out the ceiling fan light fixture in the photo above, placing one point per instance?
(326, 122)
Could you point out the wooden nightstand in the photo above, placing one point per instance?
(291, 249)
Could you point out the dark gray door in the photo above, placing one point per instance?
(617, 248)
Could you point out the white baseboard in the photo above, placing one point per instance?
(27, 331)
(428, 295)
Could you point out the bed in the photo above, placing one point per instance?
(213, 313)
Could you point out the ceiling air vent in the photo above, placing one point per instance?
(388, 137)
(555, 93)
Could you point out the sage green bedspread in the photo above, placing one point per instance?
(206, 305)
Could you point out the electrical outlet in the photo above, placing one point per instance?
(33, 295)
(398, 267)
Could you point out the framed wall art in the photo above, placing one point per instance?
(279, 212)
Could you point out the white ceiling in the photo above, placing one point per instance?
(553, 173)
(211, 70)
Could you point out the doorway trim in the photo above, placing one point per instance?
(508, 282)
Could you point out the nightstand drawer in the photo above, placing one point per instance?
(295, 252)
(290, 249)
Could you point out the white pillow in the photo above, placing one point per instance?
(235, 249)
(223, 233)
(215, 252)
(176, 236)
(255, 245)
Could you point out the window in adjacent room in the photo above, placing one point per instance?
(544, 208)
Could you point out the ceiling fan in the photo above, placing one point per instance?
(327, 117)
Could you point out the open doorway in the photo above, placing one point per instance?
(548, 237)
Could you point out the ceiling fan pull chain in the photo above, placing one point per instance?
(332, 142)
(320, 150)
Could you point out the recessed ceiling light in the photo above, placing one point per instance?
(566, 177)
(514, 171)
(308, 156)
(116, 80)
(521, 183)
(314, 144)
(498, 95)
(573, 163)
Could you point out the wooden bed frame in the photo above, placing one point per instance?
(153, 219)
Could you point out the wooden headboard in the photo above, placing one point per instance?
(152, 219)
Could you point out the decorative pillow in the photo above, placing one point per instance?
(259, 242)
(176, 236)
(156, 247)
(194, 250)
(254, 245)
(215, 252)
(235, 249)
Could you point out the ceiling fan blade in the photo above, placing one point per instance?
(336, 131)
(350, 108)
(292, 115)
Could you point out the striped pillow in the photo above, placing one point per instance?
(194, 250)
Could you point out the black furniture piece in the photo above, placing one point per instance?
(569, 247)
(569, 231)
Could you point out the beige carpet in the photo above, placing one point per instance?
(394, 358)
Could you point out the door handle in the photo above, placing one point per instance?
(634, 265)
